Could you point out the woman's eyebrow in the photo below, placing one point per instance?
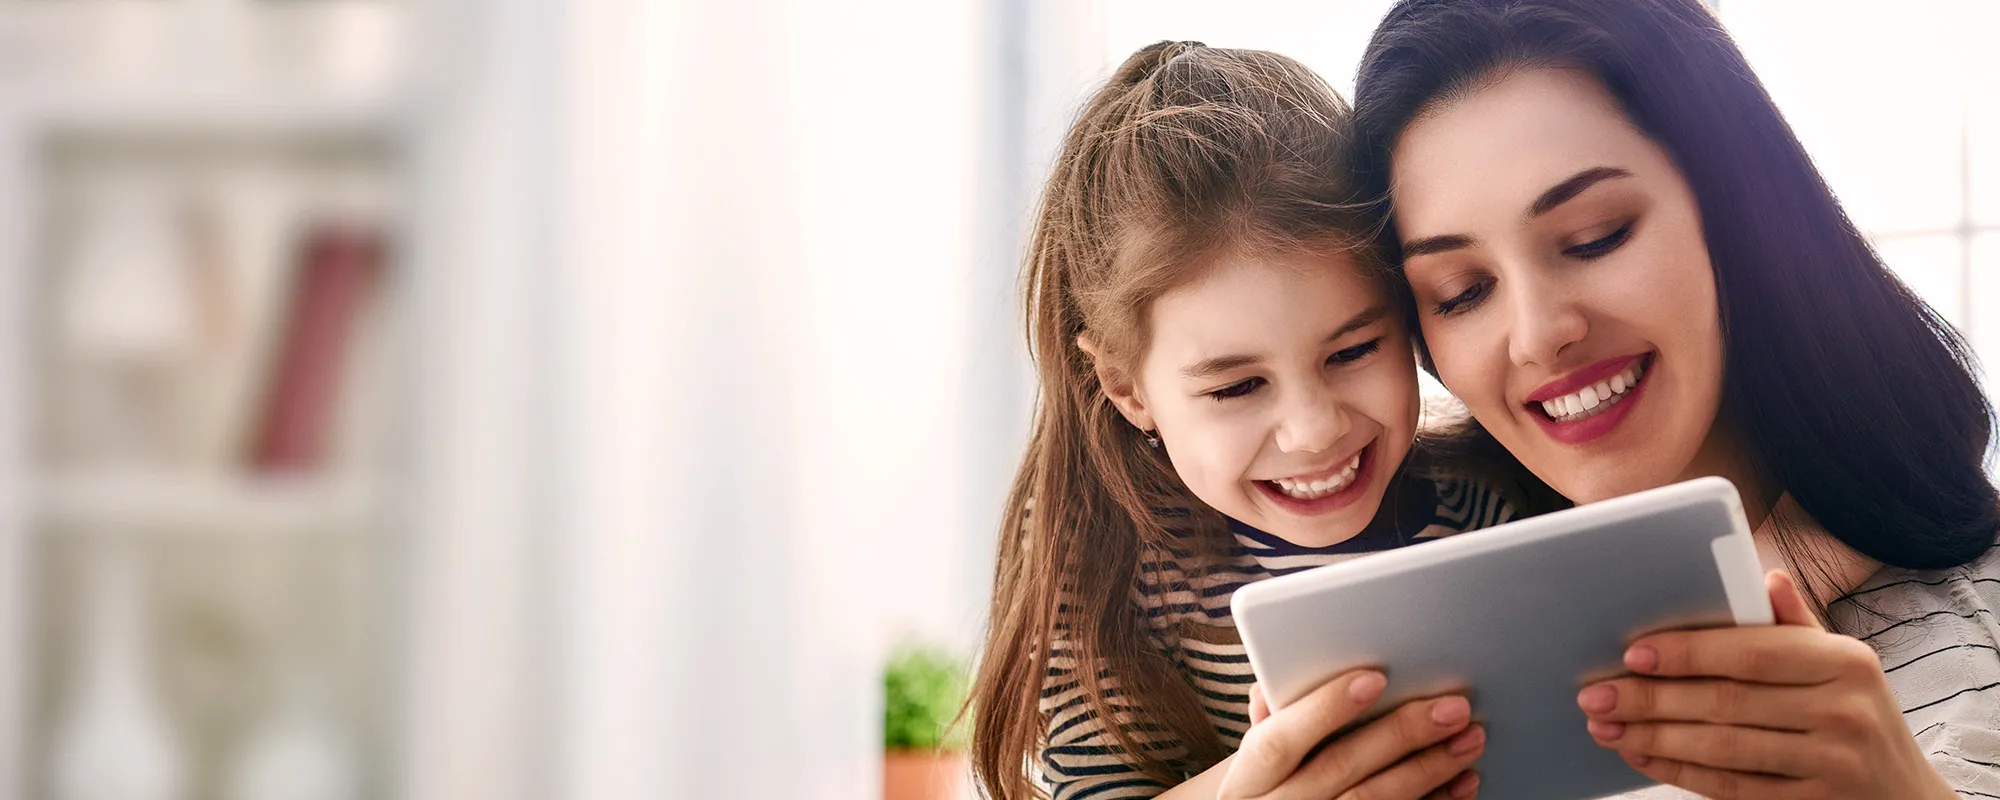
(1436, 244)
(1572, 186)
(1556, 195)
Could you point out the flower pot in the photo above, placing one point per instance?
(926, 775)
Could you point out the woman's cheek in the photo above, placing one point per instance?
(1453, 351)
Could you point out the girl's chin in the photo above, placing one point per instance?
(1325, 531)
(1318, 538)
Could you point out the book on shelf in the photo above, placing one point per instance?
(337, 272)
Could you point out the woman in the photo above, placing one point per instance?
(1626, 266)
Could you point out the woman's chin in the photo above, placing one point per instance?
(1589, 484)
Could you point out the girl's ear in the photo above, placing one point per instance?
(1118, 386)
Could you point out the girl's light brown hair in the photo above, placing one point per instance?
(1187, 153)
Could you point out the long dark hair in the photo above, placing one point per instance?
(1852, 393)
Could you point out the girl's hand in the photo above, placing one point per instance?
(1781, 711)
(1421, 749)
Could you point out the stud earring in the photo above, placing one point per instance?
(1152, 438)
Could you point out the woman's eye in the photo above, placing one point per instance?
(1237, 389)
(1464, 299)
(1355, 353)
(1591, 251)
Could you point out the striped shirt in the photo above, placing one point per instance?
(1190, 623)
(1939, 642)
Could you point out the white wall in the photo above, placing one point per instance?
(765, 391)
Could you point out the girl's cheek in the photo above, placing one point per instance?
(1392, 392)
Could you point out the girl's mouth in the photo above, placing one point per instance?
(1324, 491)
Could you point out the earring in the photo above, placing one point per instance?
(1152, 438)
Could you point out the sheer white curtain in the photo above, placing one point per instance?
(720, 383)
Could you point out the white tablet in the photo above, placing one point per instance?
(1523, 615)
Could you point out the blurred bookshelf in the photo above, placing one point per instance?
(169, 502)
(200, 217)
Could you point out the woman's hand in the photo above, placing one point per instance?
(1421, 749)
(1781, 711)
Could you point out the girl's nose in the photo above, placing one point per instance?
(1313, 424)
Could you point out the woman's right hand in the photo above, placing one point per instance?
(1422, 749)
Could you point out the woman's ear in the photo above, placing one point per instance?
(1118, 386)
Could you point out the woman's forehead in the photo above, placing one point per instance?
(1496, 148)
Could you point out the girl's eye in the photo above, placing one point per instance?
(1462, 300)
(1591, 251)
(1237, 389)
(1355, 353)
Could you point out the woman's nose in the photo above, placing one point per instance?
(1544, 321)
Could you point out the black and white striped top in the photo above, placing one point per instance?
(1190, 622)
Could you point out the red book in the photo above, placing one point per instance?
(338, 267)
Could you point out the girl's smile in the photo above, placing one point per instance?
(1324, 491)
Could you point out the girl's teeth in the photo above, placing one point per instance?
(1313, 490)
(1591, 400)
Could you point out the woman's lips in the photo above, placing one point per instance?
(1587, 376)
(1591, 410)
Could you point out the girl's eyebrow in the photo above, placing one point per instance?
(1211, 367)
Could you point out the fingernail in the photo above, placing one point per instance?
(1606, 731)
(1467, 741)
(1451, 711)
(1599, 699)
(1642, 659)
(1367, 687)
(1466, 787)
(1640, 761)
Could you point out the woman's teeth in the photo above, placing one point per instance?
(1316, 489)
(1595, 399)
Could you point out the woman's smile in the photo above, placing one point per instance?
(1591, 402)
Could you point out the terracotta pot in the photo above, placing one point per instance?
(926, 775)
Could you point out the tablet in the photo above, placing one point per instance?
(1521, 616)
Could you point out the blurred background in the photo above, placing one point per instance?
(527, 399)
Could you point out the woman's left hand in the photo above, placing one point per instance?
(1780, 711)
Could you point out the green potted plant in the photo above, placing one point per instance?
(923, 750)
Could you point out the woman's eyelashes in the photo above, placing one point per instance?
(1599, 248)
(1592, 250)
(1465, 299)
(1339, 358)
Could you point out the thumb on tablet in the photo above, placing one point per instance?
(1259, 707)
(1788, 605)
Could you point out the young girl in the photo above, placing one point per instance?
(1228, 392)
